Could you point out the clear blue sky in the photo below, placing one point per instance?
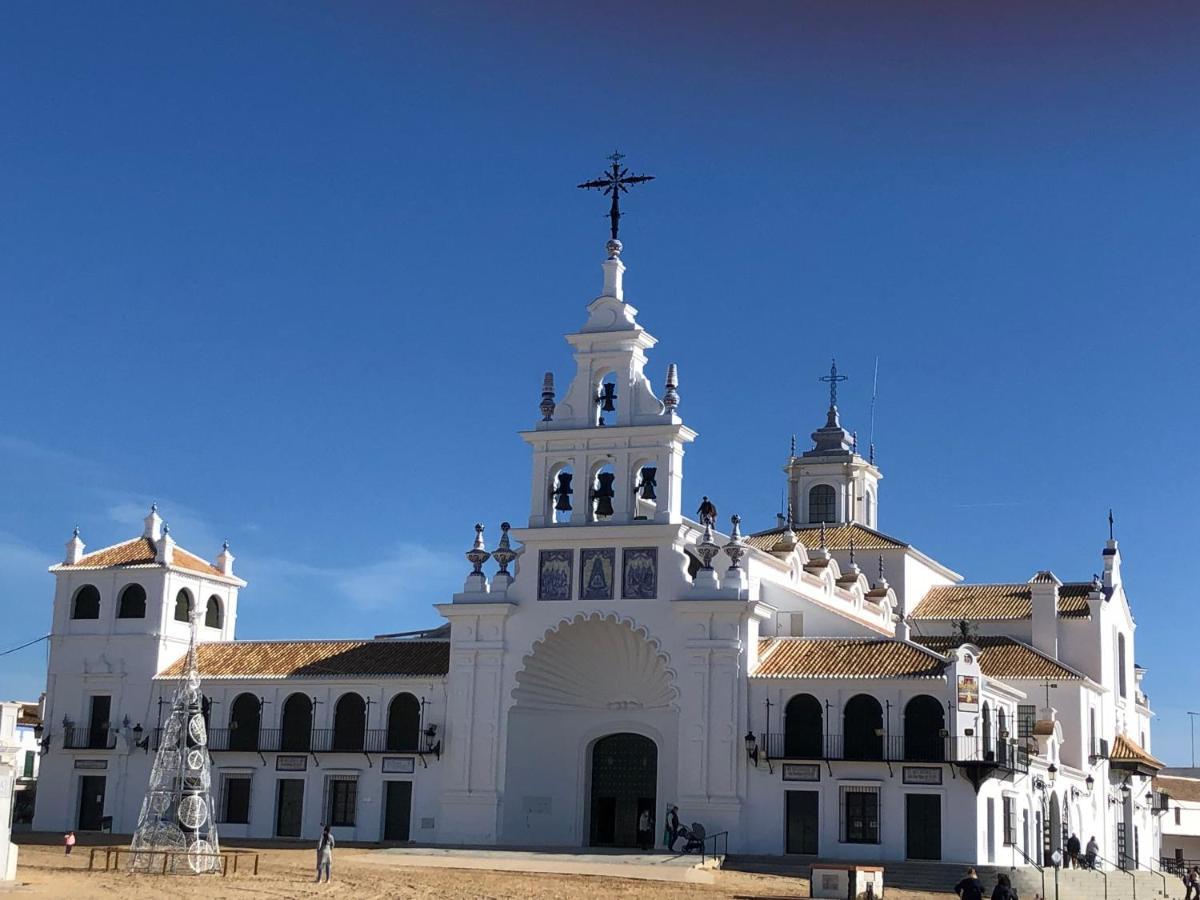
(295, 270)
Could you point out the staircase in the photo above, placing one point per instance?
(1073, 884)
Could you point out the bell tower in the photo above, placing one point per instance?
(832, 483)
(610, 450)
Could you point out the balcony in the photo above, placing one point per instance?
(967, 752)
(79, 737)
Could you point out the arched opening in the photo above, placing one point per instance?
(212, 613)
(295, 731)
(603, 493)
(822, 504)
(404, 724)
(183, 606)
(989, 751)
(862, 728)
(645, 489)
(869, 503)
(244, 718)
(1055, 836)
(86, 604)
(624, 779)
(561, 490)
(1121, 665)
(1001, 736)
(132, 604)
(349, 722)
(803, 728)
(924, 723)
(606, 400)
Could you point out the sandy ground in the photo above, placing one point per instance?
(286, 872)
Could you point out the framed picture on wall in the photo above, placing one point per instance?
(596, 570)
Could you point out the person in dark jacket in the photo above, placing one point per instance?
(1004, 889)
(970, 888)
(1073, 849)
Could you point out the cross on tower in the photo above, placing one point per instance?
(833, 378)
(613, 183)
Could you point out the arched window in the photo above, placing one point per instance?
(244, 719)
(561, 491)
(404, 724)
(1121, 664)
(86, 604)
(132, 604)
(603, 493)
(183, 606)
(803, 728)
(295, 729)
(869, 503)
(924, 721)
(862, 728)
(1001, 736)
(349, 722)
(989, 751)
(606, 400)
(822, 504)
(212, 613)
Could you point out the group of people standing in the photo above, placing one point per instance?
(1076, 858)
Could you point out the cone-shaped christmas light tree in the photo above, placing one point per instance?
(177, 815)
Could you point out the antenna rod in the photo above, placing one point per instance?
(874, 394)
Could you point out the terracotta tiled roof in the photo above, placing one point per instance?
(139, 552)
(1185, 789)
(317, 659)
(998, 601)
(837, 537)
(1004, 657)
(835, 657)
(1126, 749)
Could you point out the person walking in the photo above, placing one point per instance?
(645, 830)
(1191, 882)
(970, 888)
(1073, 851)
(325, 854)
(69, 842)
(1093, 850)
(1004, 889)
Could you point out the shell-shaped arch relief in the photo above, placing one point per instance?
(596, 661)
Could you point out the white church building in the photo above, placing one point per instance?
(817, 688)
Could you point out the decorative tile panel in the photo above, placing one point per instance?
(597, 571)
(639, 575)
(554, 574)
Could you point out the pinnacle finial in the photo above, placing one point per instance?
(881, 567)
(547, 404)
(477, 555)
(75, 533)
(224, 545)
(1110, 525)
(671, 394)
(852, 550)
(792, 448)
(823, 536)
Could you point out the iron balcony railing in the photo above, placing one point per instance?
(318, 740)
(83, 737)
(896, 748)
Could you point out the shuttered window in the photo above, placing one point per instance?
(860, 814)
(341, 799)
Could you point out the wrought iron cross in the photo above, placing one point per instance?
(613, 183)
(833, 378)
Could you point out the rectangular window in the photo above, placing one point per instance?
(1178, 810)
(341, 798)
(860, 814)
(235, 799)
(1026, 716)
(1010, 822)
(30, 756)
(1092, 731)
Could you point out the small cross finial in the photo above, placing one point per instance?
(224, 545)
(832, 379)
(1110, 524)
(613, 183)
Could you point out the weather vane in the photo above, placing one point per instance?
(613, 183)
(833, 378)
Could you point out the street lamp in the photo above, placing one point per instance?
(752, 747)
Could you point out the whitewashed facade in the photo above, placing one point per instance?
(617, 656)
